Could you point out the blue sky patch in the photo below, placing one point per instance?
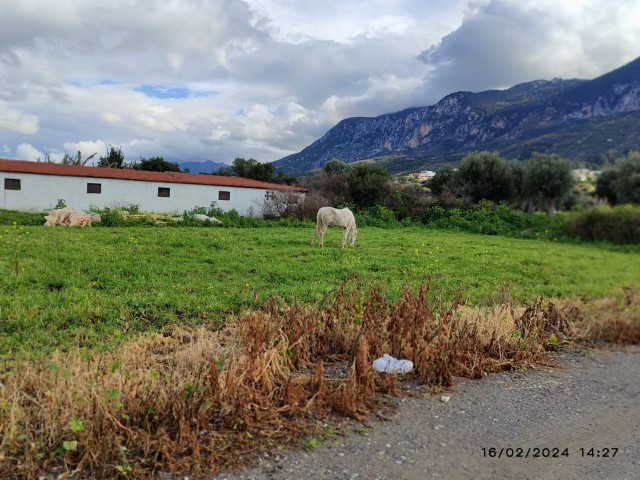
(171, 91)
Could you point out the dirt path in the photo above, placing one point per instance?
(592, 402)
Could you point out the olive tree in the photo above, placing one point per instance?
(485, 176)
(442, 180)
(366, 182)
(547, 177)
(606, 185)
(627, 183)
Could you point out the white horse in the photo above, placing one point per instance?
(329, 216)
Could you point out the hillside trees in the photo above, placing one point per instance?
(487, 176)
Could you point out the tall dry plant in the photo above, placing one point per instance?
(199, 401)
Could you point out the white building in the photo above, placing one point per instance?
(584, 174)
(33, 186)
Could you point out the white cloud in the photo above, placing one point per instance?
(86, 149)
(504, 42)
(12, 120)
(111, 118)
(222, 79)
(26, 151)
(154, 122)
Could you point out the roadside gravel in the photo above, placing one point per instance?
(592, 401)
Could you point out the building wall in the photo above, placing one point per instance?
(42, 192)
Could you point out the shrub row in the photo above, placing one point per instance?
(620, 224)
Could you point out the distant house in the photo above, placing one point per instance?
(426, 175)
(584, 174)
(33, 186)
(423, 175)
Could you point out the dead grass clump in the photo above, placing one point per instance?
(614, 320)
(198, 401)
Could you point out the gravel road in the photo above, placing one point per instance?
(570, 416)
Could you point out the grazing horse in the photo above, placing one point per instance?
(329, 216)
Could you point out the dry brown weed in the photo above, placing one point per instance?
(200, 400)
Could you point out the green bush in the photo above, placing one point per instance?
(377, 216)
(490, 219)
(620, 224)
(111, 217)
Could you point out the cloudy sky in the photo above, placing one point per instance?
(196, 80)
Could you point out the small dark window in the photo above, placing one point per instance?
(12, 184)
(224, 195)
(94, 188)
(164, 192)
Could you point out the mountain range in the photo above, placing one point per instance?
(586, 120)
(203, 167)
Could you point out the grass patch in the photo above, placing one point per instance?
(96, 287)
(133, 350)
(9, 217)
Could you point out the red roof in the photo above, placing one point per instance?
(19, 166)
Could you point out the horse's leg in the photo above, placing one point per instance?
(323, 230)
(345, 232)
(353, 234)
(316, 231)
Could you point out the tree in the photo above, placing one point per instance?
(485, 176)
(281, 203)
(520, 197)
(366, 182)
(253, 169)
(77, 160)
(442, 180)
(627, 183)
(68, 159)
(327, 188)
(113, 159)
(155, 164)
(335, 167)
(606, 185)
(405, 200)
(548, 177)
(265, 172)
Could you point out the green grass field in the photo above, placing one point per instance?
(95, 287)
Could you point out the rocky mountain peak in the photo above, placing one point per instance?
(573, 118)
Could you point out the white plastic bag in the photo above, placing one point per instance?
(388, 364)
